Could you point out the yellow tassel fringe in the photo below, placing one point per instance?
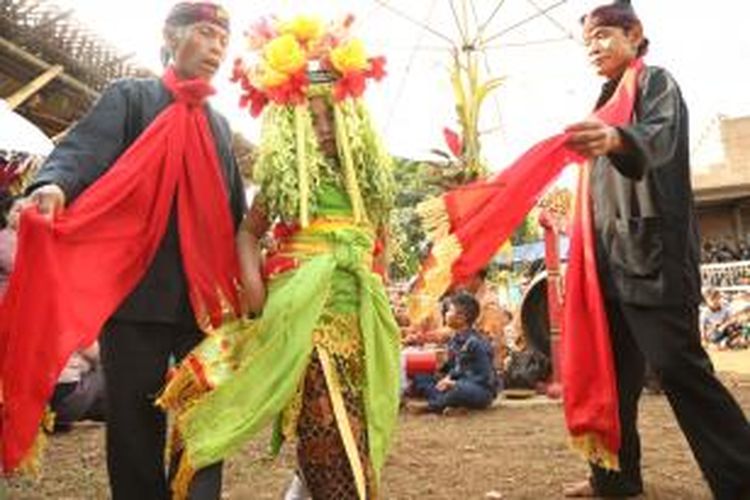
(183, 478)
(591, 448)
(436, 279)
(31, 463)
(181, 390)
(434, 216)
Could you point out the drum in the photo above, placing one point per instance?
(421, 361)
(534, 311)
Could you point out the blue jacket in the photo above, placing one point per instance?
(470, 359)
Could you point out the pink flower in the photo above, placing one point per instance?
(261, 33)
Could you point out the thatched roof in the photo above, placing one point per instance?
(35, 34)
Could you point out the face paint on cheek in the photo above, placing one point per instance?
(605, 43)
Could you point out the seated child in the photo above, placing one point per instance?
(714, 319)
(468, 378)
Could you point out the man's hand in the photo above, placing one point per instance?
(593, 138)
(250, 260)
(445, 384)
(49, 199)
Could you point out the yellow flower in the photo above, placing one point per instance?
(350, 56)
(269, 77)
(284, 54)
(305, 28)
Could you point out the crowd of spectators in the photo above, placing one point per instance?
(723, 250)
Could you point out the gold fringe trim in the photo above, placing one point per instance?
(434, 216)
(183, 478)
(181, 390)
(32, 462)
(342, 421)
(436, 278)
(174, 443)
(592, 449)
(290, 415)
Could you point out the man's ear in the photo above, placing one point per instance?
(635, 35)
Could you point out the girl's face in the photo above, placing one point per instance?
(324, 125)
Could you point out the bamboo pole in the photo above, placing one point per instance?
(31, 88)
(16, 51)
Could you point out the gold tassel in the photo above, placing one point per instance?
(183, 478)
(181, 390)
(302, 173)
(591, 448)
(174, 444)
(350, 175)
(31, 463)
(434, 216)
(437, 277)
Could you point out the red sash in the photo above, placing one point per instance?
(71, 274)
(469, 225)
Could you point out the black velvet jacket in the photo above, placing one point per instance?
(648, 245)
(122, 113)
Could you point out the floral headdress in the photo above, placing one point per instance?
(294, 61)
(288, 52)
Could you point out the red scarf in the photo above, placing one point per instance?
(469, 224)
(72, 273)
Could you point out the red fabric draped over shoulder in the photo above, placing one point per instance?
(469, 224)
(73, 272)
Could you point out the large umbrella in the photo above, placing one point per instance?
(483, 41)
(526, 42)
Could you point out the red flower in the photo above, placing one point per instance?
(238, 71)
(377, 68)
(350, 85)
(454, 142)
(256, 99)
(252, 96)
(291, 92)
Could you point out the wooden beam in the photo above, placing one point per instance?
(34, 86)
(31, 59)
(50, 119)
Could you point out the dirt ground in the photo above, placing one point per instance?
(516, 450)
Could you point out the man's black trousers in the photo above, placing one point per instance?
(717, 431)
(136, 357)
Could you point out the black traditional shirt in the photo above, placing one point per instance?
(647, 233)
(123, 112)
